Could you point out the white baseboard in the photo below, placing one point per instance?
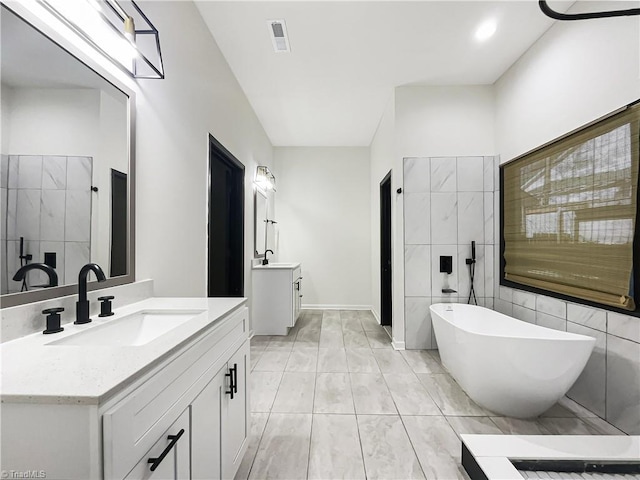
(335, 307)
(375, 315)
(397, 345)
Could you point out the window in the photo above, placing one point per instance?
(569, 214)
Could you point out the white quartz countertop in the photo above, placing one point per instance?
(34, 372)
(277, 265)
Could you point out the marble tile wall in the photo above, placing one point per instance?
(46, 200)
(609, 386)
(448, 202)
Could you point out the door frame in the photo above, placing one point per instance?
(218, 151)
(386, 252)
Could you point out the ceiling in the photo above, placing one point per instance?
(346, 57)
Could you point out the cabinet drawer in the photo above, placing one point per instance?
(133, 425)
(174, 444)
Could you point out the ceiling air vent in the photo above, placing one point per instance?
(279, 38)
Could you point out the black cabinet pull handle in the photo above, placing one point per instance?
(232, 387)
(155, 462)
(235, 378)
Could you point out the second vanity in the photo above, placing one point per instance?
(277, 297)
(159, 390)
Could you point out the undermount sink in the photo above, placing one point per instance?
(135, 329)
(280, 265)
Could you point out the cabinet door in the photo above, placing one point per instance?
(205, 430)
(174, 445)
(234, 414)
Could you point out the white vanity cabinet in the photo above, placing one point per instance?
(277, 297)
(188, 409)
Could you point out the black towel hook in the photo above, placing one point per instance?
(549, 12)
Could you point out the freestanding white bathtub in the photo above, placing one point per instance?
(505, 365)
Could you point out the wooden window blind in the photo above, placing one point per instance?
(569, 213)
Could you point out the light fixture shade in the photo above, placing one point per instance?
(264, 178)
(119, 30)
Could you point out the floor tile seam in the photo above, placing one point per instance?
(429, 393)
(415, 453)
(264, 429)
(364, 463)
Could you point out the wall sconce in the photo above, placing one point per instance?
(110, 28)
(265, 179)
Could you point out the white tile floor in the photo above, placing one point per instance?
(334, 400)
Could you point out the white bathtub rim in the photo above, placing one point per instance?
(558, 334)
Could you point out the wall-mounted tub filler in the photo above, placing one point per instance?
(505, 365)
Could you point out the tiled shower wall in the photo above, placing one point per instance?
(46, 200)
(448, 202)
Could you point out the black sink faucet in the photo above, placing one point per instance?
(22, 271)
(266, 261)
(82, 305)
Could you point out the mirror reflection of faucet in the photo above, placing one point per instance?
(21, 274)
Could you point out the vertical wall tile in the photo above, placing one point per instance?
(524, 314)
(624, 326)
(4, 278)
(76, 255)
(550, 321)
(551, 306)
(440, 280)
(58, 249)
(489, 270)
(470, 174)
(489, 173)
(506, 294)
(417, 218)
(52, 215)
(470, 218)
(444, 218)
(417, 323)
(488, 218)
(496, 178)
(4, 171)
(12, 208)
(77, 222)
(443, 174)
(4, 197)
(79, 173)
(30, 173)
(587, 316)
(503, 306)
(417, 175)
(524, 299)
(14, 171)
(54, 173)
(590, 387)
(417, 270)
(623, 384)
(28, 214)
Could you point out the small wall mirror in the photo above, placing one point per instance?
(67, 167)
(259, 223)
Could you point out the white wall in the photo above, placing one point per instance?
(384, 160)
(445, 121)
(574, 74)
(199, 96)
(323, 219)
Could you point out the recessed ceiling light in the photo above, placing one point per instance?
(486, 30)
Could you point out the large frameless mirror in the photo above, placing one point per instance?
(67, 167)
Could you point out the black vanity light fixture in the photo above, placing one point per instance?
(265, 179)
(117, 29)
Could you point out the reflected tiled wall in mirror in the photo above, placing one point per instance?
(46, 200)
